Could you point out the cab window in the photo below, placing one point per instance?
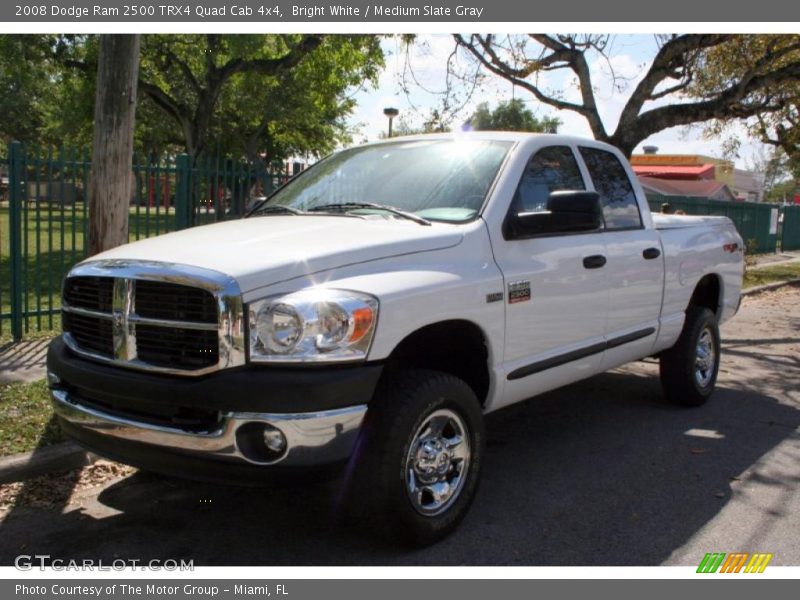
(551, 169)
(620, 209)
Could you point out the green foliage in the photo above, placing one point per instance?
(511, 115)
(785, 190)
(300, 111)
(43, 99)
(757, 58)
(244, 95)
(223, 92)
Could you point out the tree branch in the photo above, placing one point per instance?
(572, 58)
(671, 56)
(272, 66)
(725, 105)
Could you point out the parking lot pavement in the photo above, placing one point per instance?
(599, 473)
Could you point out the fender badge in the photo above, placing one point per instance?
(494, 297)
(519, 291)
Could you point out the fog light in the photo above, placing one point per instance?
(274, 439)
(53, 379)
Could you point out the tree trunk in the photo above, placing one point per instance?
(112, 147)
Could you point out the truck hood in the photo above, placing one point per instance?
(261, 251)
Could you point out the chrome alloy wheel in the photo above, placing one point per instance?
(704, 358)
(437, 462)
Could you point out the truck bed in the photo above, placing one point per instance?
(662, 221)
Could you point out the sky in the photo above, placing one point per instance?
(630, 56)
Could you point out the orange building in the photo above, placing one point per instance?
(683, 166)
(743, 185)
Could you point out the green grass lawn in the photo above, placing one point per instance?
(26, 418)
(784, 272)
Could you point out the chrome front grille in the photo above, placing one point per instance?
(90, 333)
(159, 300)
(154, 316)
(93, 293)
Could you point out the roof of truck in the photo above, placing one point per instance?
(500, 136)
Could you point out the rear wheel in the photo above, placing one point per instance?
(689, 369)
(417, 464)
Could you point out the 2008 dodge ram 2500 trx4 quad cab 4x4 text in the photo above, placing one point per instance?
(370, 312)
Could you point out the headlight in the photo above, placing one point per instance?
(312, 325)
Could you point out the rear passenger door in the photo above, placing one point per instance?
(635, 266)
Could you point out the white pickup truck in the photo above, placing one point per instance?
(368, 315)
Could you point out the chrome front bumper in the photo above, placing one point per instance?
(311, 438)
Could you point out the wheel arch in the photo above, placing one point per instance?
(458, 347)
(708, 294)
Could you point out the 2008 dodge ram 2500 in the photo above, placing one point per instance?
(371, 311)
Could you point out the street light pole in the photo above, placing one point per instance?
(391, 113)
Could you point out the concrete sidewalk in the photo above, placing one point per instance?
(23, 361)
(773, 260)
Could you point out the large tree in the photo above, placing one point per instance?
(679, 60)
(112, 148)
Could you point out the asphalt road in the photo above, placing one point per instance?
(599, 473)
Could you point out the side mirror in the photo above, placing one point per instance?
(567, 212)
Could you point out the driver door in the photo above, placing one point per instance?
(557, 291)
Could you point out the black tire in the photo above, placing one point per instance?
(683, 378)
(378, 493)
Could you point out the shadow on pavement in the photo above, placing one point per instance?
(598, 473)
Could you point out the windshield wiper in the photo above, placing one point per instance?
(345, 206)
(277, 209)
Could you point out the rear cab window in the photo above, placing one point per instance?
(620, 208)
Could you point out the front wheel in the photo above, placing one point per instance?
(689, 369)
(417, 463)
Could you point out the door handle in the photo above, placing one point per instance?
(594, 262)
(651, 253)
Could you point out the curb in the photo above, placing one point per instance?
(51, 459)
(768, 287)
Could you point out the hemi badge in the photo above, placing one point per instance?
(494, 297)
(519, 291)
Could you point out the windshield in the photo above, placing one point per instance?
(444, 180)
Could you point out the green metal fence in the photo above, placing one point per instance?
(43, 216)
(790, 228)
(754, 221)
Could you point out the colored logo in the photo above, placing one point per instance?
(736, 562)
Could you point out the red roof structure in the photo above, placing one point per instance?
(685, 172)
